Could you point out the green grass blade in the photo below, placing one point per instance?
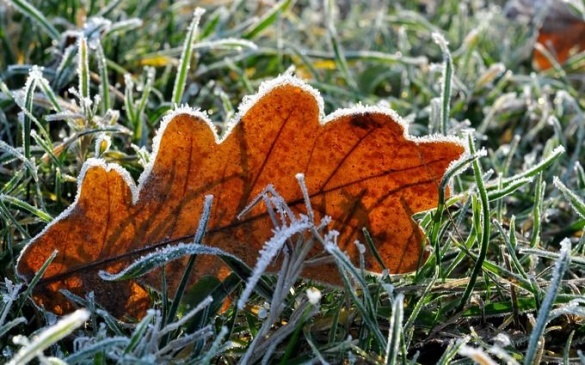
(129, 100)
(27, 293)
(6, 327)
(510, 242)
(217, 348)
(29, 90)
(149, 262)
(365, 307)
(83, 74)
(66, 70)
(267, 19)
(340, 59)
(576, 202)
(395, 330)
(484, 229)
(43, 216)
(50, 336)
(104, 78)
(30, 11)
(420, 303)
(94, 349)
(43, 83)
(537, 210)
(451, 351)
(139, 130)
(538, 168)
(543, 313)
(185, 61)
(509, 189)
(139, 331)
(446, 82)
(580, 172)
(435, 230)
(201, 229)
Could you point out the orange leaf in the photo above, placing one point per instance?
(561, 34)
(360, 168)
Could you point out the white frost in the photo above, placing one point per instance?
(314, 296)
(269, 252)
(181, 110)
(267, 87)
(48, 337)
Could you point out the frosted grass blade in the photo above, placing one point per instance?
(185, 61)
(30, 11)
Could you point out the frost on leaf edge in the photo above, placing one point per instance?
(87, 165)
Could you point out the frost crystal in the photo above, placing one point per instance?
(361, 248)
(269, 252)
(502, 340)
(36, 72)
(102, 144)
(93, 28)
(314, 296)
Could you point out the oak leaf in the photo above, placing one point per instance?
(361, 169)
